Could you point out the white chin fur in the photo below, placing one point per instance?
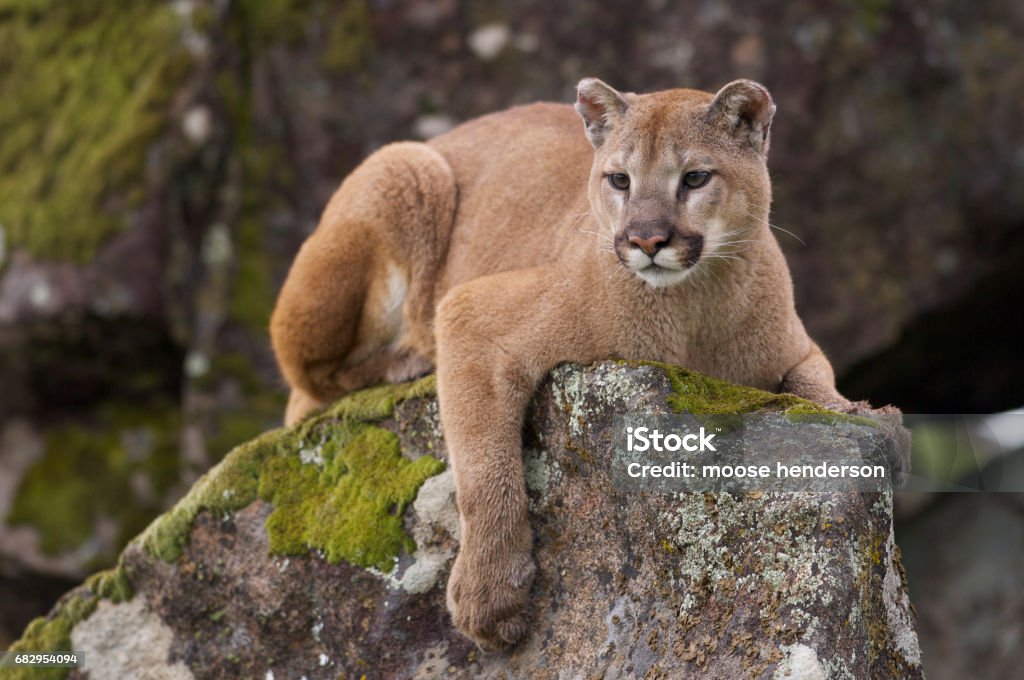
(659, 277)
(668, 272)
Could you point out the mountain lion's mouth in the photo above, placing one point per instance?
(659, 276)
(669, 264)
(665, 269)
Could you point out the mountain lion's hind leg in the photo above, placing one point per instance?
(355, 308)
(299, 405)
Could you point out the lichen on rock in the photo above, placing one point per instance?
(296, 556)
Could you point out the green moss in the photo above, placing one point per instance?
(270, 20)
(229, 486)
(87, 471)
(260, 156)
(352, 507)
(872, 551)
(85, 89)
(351, 38)
(52, 633)
(379, 402)
(252, 292)
(346, 499)
(697, 393)
(111, 584)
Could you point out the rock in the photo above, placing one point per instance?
(322, 551)
(963, 558)
(925, 220)
(109, 277)
(72, 498)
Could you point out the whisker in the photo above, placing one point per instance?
(705, 270)
(776, 227)
(729, 243)
(713, 274)
(604, 239)
(579, 218)
(786, 231)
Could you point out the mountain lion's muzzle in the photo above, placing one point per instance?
(657, 243)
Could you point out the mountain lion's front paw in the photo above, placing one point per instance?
(890, 421)
(487, 597)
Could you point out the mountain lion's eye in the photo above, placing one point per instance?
(619, 181)
(696, 179)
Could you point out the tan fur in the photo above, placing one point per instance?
(499, 250)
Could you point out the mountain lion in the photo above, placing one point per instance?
(510, 244)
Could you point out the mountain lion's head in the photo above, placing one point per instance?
(679, 177)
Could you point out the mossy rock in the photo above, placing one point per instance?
(117, 466)
(86, 88)
(53, 632)
(338, 484)
(293, 554)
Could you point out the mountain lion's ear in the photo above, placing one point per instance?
(744, 109)
(601, 106)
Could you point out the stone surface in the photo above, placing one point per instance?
(962, 557)
(630, 583)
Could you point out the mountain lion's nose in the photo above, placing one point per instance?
(650, 244)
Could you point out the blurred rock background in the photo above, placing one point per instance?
(160, 163)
